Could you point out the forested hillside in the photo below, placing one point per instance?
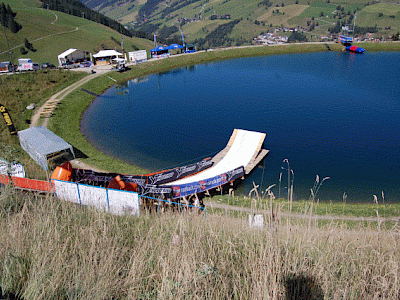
(203, 21)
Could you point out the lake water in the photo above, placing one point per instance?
(330, 114)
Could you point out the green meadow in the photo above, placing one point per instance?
(53, 32)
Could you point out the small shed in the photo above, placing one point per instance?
(104, 57)
(42, 145)
(73, 55)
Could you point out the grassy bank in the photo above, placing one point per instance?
(18, 91)
(66, 122)
(320, 208)
(55, 250)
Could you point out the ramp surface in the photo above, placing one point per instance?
(244, 148)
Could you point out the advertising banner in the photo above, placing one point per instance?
(7, 119)
(102, 179)
(179, 173)
(208, 184)
(155, 191)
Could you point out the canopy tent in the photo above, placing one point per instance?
(175, 46)
(106, 56)
(72, 55)
(190, 48)
(159, 52)
(107, 53)
(42, 144)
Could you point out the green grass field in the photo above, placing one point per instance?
(52, 33)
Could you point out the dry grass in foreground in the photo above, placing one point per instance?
(55, 250)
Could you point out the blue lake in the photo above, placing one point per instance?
(330, 114)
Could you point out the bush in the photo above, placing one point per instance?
(23, 50)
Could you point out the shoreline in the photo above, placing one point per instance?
(66, 121)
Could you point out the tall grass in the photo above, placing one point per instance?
(52, 249)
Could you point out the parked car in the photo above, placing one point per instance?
(67, 65)
(85, 64)
(48, 66)
(35, 66)
(121, 68)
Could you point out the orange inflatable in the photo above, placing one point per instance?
(63, 172)
(116, 183)
(130, 186)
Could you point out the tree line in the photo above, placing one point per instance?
(7, 18)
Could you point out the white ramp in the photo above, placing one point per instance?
(244, 150)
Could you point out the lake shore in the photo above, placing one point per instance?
(66, 121)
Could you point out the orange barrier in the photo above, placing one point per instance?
(29, 184)
(32, 184)
(4, 179)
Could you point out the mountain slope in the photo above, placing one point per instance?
(53, 32)
(198, 18)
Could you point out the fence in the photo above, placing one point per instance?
(114, 201)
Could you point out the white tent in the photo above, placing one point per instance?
(71, 55)
(107, 54)
(107, 57)
(42, 144)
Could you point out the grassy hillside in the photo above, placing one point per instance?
(19, 91)
(52, 249)
(52, 32)
(286, 13)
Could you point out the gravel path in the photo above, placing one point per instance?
(43, 113)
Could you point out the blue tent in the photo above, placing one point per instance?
(175, 46)
(159, 49)
(159, 52)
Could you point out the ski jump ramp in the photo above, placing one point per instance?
(243, 150)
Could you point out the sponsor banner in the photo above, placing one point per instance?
(139, 180)
(179, 173)
(7, 119)
(208, 184)
(102, 179)
(154, 190)
(91, 177)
